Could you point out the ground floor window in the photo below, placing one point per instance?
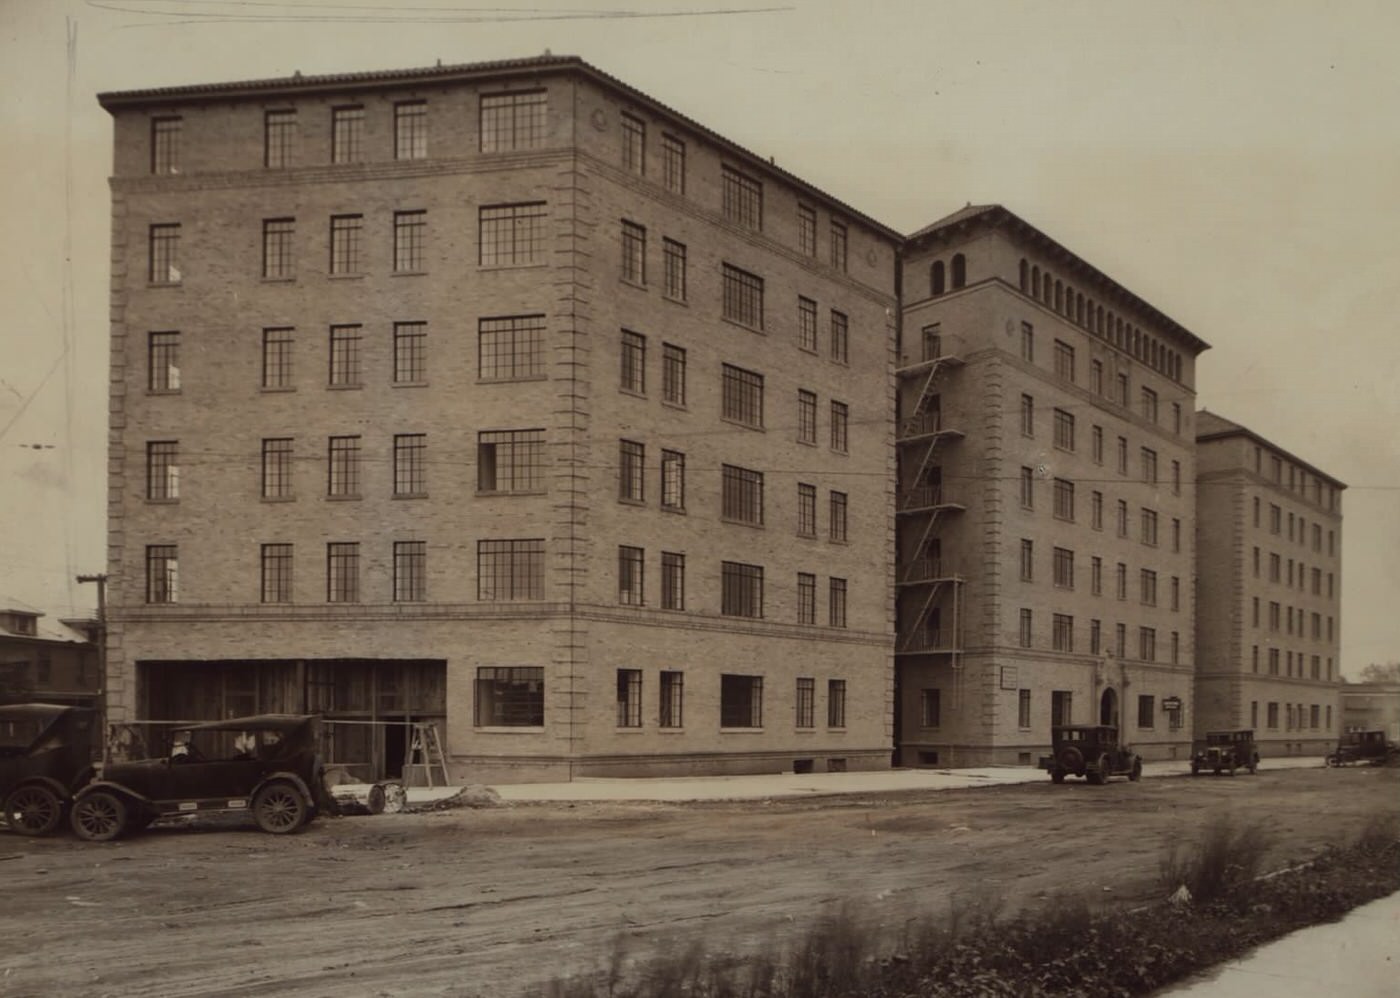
(1146, 711)
(629, 698)
(672, 699)
(806, 702)
(930, 708)
(509, 697)
(836, 703)
(740, 701)
(1061, 707)
(1023, 708)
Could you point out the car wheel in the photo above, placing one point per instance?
(33, 810)
(280, 808)
(1057, 776)
(99, 817)
(1099, 774)
(1195, 769)
(1136, 773)
(1332, 760)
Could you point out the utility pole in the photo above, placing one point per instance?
(101, 580)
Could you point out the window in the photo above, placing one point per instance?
(410, 353)
(629, 698)
(280, 137)
(806, 702)
(634, 253)
(410, 464)
(673, 163)
(513, 120)
(510, 570)
(743, 297)
(673, 256)
(1064, 568)
(164, 254)
(1025, 628)
(629, 576)
(634, 144)
(631, 471)
(740, 701)
(1028, 343)
(1146, 711)
(937, 279)
(411, 130)
(279, 262)
(510, 348)
(410, 571)
(806, 510)
(1096, 509)
(1149, 465)
(1064, 430)
(1027, 416)
(1064, 499)
(1176, 535)
(1062, 634)
(1122, 581)
(742, 495)
(343, 478)
(1096, 575)
(634, 362)
(840, 337)
(743, 199)
(347, 134)
(1148, 586)
(163, 362)
(1275, 568)
(1027, 488)
(1275, 519)
(342, 572)
(1061, 707)
(806, 417)
(741, 589)
(1120, 635)
(1149, 405)
(1149, 527)
(165, 145)
(1176, 418)
(1175, 593)
(1147, 644)
(806, 598)
(162, 573)
(1064, 361)
(1028, 560)
(840, 416)
(672, 374)
(276, 573)
(1096, 440)
(277, 468)
(1256, 562)
(1023, 708)
(838, 247)
(1095, 637)
(345, 243)
(807, 324)
(1176, 478)
(512, 235)
(672, 480)
(836, 603)
(1122, 455)
(1096, 377)
(345, 357)
(1273, 714)
(163, 469)
(835, 703)
(930, 708)
(742, 396)
(410, 230)
(837, 516)
(806, 230)
(509, 697)
(672, 581)
(1122, 382)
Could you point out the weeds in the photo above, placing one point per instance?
(1225, 858)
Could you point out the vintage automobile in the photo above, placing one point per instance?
(1091, 751)
(1227, 751)
(1369, 747)
(44, 748)
(266, 765)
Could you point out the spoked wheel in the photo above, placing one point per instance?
(33, 810)
(280, 808)
(99, 817)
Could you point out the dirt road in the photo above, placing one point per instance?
(492, 902)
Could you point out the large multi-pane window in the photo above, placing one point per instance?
(1064, 360)
(345, 243)
(278, 258)
(1064, 430)
(634, 144)
(634, 253)
(277, 468)
(807, 324)
(672, 480)
(630, 591)
(512, 235)
(1149, 405)
(163, 469)
(276, 573)
(510, 348)
(411, 130)
(410, 353)
(740, 701)
(277, 358)
(633, 357)
(342, 572)
(410, 232)
(741, 589)
(1064, 568)
(673, 256)
(806, 598)
(806, 702)
(743, 297)
(837, 515)
(410, 464)
(410, 571)
(1062, 706)
(840, 337)
(1149, 465)
(510, 461)
(836, 603)
(743, 198)
(838, 245)
(835, 703)
(510, 570)
(280, 138)
(672, 374)
(1148, 586)
(162, 573)
(347, 134)
(629, 698)
(631, 471)
(1062, 632)
(672, 714)
(672, 580)
(806, 510)
(742, 495)
(840, 421)
(509, 696)
(165, 145)
(515, 120)
(345, 356)
(806, 230)
(1149, 527)
(1147, 644)
(1064, 499)
(163, 362)
(806, 416)
(742, 396)
(343, 474)
(164, 254)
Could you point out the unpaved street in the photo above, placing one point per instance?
(490, 902)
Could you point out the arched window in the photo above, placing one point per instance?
(1025, 277)
(1035, 282)
(1100, 320)
(1048, 288)
(959, 270)
(935, 278)
(1059, 296)
(1079, 309)
(1069, 301)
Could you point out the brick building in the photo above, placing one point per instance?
(502, 397)
(1269, 535)
(1045, 515)
(44, 661)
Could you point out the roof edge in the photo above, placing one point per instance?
(1238, 430)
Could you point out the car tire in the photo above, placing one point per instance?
(33, 810)
(1135, 773)
(1057, 776)
(1195, 769)
(280, 808)
(99, 816)
(1099, 774)
(1332, 760)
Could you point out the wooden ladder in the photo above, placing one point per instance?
(425, 749)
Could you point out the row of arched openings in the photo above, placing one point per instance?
(938, 275)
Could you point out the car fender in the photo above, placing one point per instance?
(291, 778)
(64, 794)
(112, 787)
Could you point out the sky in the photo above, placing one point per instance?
(1235, 164)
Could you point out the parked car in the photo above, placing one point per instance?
(1228, 751)
(1091, 751)
(1370, 747)
(266, 765)
(44, 748)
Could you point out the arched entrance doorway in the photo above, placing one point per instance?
(1108, 707)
